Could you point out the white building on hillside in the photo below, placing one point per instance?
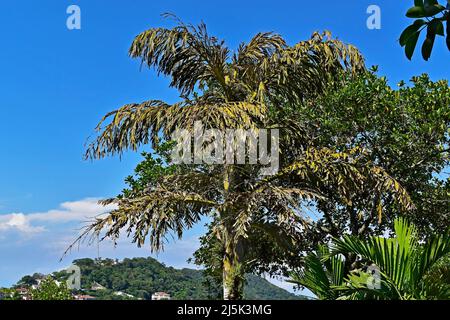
(161, 296)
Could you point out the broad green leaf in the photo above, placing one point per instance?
(402, 261)
(411, 45)
(418, 3)
(437, 27)
(433, 10)
(427, 46)
(434, 27)
(409, 31)
(448, 32)
(427, 3)
(416, 12)
(448, 41)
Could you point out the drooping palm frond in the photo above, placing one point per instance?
(326, 52)
(281, 206)
(262, 46)
(185, 53)
(278, 234)
(348, 173)
(154, 215)
(134, 125)
(307, 68)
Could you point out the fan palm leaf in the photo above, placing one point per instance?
(403, 261)
(320, 273)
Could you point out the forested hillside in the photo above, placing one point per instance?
(141, 277)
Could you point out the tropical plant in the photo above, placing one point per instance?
(321, 273)
(242, 91)
(389, 268)
(438, 279)
(429, 15)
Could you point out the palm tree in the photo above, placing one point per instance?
(240, 91)
(406, 269)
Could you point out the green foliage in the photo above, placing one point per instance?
(49, 289)
(9, 294)
(403, 131)
(436, 15)
(257, 288)
(437, 280)
(407, 268)
(150, 170)
(346, 148)
(403, 261)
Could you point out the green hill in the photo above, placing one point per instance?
(141, 277)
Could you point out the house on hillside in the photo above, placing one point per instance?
(161, 296)
(24, 293)
(83, 297)
(37, 285)
(97, 286)
(123, 294)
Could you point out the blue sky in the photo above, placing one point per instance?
(55, 85)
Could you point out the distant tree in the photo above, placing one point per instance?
(431, 16)
(9, 294)
(49, 289)
(27, 281)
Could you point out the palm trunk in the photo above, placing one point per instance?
(233, 273)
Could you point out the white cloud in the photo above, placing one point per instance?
(76, 211)
(73, 211)
(18, 222)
